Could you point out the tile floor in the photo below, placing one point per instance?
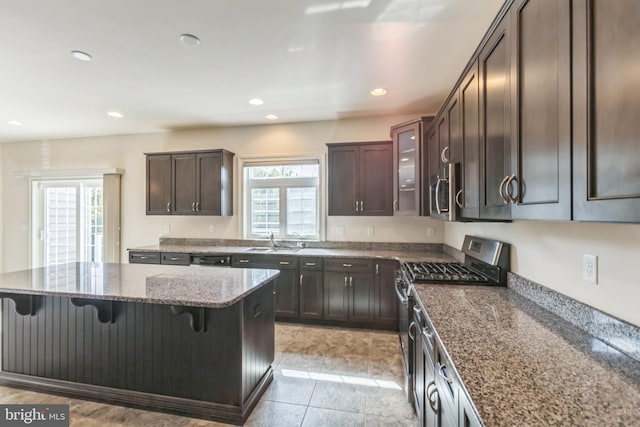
(323, 377)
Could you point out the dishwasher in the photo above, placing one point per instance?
(210, 261)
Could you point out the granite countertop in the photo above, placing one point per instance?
(157, 284)
(400, 255)
(524, 366)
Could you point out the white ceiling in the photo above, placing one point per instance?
(307, 59)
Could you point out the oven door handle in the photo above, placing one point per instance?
(404, 300)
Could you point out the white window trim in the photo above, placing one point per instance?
(243, 197)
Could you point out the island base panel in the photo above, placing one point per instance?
(213, 356)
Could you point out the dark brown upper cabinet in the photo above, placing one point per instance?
(495, 111)
(469, 96)
(606, 110)
(190, 183)
(540, 186)
(407, 163)
(360, 178)
(158, 183)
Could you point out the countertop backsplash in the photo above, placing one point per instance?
(312, 244)
(621, 335)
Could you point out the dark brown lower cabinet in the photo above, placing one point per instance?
(286, 294)
(466, 415)
(385, 301)
(347, 296)
(311, 296)
(286, 284)
(336, 296)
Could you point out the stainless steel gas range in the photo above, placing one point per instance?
(486, 262)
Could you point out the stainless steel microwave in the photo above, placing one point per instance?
(443, 188)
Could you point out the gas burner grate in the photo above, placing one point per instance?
(444, 272)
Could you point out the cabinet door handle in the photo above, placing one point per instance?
(502, 193)
(361, 206)
(395, 205)
(443, 155)
(193, 207)
(432, 396)
(411, 325)
(284, 263)
(356, 206)
(168, 206)
(301, 277)
(243, 261)
(351, 281)
(345, 281)
(458, 201)
(377, 268)
(347, 265)
(197, 206)
(507, 189)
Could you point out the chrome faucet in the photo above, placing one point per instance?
(272, 240)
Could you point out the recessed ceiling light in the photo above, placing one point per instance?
(115, 114)
(190, 39)
(271, 117)
(379, 91)
(14, 123)
(81, 56)
(256, 101)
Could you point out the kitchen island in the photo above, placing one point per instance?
(195, 341)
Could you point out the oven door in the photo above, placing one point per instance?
(405, 306)
(443, 192)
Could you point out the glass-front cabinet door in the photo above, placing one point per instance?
(407, 185)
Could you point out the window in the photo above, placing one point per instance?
(67, 222)
(282, 197)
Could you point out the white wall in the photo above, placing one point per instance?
(550, 253)
(126, 152)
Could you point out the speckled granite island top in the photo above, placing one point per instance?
(158, 284)
(524, 366)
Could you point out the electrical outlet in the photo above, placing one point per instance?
(338, 231)
(370, 231)
(167, 228)
(590, 268)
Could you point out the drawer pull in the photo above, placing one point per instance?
(175, 258)
(243, 261)
(347, 265)
(144, 257)
(310, 264)
(284, 262)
